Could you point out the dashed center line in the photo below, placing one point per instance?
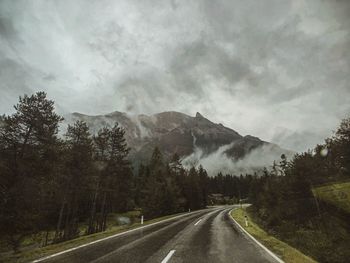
(198, 222)
(170, 254)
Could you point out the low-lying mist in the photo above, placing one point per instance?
(219, 161)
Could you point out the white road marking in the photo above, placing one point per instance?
(198, 222)
(170, 254)
(256, 241)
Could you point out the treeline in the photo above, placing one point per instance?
(54, 183)
(231, 186)
(283, 201)
(163, 188)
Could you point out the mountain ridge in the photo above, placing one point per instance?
(176, 132)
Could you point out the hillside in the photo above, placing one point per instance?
(336, 194)
(196, 139)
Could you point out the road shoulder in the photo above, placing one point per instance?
(284, 252)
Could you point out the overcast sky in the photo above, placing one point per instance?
(276, 69)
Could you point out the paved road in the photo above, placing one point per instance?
(203, 236)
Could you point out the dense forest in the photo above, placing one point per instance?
(53, 183)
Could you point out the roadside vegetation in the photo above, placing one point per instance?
(305, 201)
(335, 194)
(287, 253)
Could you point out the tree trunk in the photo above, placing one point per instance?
(73, 224)
(66, 225)
(103, 208)
(59, 222)
(91, 228)
(105, 212)
(46, 238)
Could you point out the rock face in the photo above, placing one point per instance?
(175, 132)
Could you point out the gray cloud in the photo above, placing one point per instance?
(6, 28)
(275, 69)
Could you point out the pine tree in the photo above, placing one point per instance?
(29, 154)
(154, 191)
(178, 176)
(113, 183)
(79, 171)
(140, 182)
(194, 194)
(101, 145)
(203, 185)
(120, 170)
(161, 195)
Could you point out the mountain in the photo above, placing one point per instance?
(195, 139)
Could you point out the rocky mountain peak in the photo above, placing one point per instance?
(198, 115)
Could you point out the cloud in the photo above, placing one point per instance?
(274, 69)
(218, 161)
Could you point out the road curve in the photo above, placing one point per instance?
(203, 236)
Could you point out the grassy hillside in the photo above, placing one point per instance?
(337, 194)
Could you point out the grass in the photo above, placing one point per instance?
(337, 194)
(30, 255)
(36, 240)
(281, 249)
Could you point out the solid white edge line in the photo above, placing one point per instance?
(198, 222)
(256, 241)
(170, 254)
(116, 235)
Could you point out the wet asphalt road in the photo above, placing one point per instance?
(203, 236)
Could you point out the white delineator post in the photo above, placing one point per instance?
(246, 221)
(141, 220)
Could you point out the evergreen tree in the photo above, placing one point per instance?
(120, 171)
(178, 177)
(113, 183)
(79, 172)
(140, 182)
(154, 192)
(193, 190)
(29, 154)
(204, 186)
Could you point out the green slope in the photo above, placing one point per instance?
(337, 194)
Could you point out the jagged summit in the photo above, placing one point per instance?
(198, 115)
